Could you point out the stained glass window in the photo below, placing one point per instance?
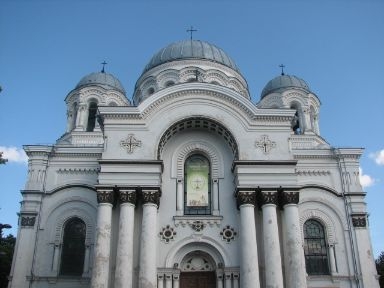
(197, 186)
(315, 248)
(73, 249)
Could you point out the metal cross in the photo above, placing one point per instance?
(104, 63)
(131, 143)
(191, 30)
(265, 144)
(282, 69)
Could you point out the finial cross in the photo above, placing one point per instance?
(104, 63)
(191, 30)
(282, 66)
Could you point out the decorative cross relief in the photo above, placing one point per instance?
(130, 143)
(265, 144)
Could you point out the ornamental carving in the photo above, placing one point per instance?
(28, 221)
(130, 143)
(265, 144)
(128, 196)
(167, 233)
(197, 225)
(151, 196)
(246, 197)
(359, 221)
(268, 198)
(228, 234)
(105, 196)
(289, 198)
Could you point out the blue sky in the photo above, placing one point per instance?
(336, 46)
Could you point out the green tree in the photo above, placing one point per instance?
(380, 268)
(7, 245)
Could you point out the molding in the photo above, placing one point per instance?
(262, 162)
(206, 220)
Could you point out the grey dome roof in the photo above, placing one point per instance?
(190, 49)
(105, 80)
(283, 82)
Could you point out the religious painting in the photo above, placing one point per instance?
(197, 181)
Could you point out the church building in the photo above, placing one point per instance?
(189, 183)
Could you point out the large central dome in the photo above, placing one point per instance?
(190, 49)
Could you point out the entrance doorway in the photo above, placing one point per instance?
(198, 279)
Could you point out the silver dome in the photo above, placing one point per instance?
(105, 80)
(282, 82)
(190, 49)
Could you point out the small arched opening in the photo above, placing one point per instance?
(92, 111)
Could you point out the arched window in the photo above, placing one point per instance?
(315, 248)
(197, 186)
(72, 255)
(91, 116)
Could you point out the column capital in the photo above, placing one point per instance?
(105, 195)
(289, 198)
(268, 198)
(128, 195)
(245, 197)
(359, 220)
(151, 195)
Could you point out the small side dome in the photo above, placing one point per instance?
(105, 80)
(283, 82)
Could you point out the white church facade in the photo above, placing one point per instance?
(191, 184)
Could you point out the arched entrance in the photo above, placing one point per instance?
(198, 270)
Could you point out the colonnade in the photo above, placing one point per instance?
(247, 200)
(269, 200)
(127, 197)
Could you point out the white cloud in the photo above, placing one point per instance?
(365, 180)
(14, 154)
(378, 157)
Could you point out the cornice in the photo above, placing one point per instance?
(262, 163)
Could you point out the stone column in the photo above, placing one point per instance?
(148, 271)
(56, 255)
(219, 278)
(176, 280)
(124, 255)
(249, 264)
(100, 274)
(160, 280)
(86, 260)
(215, 197)
(180, 197)
(168, 280)
(236, 280)
(272, 256)
(228, 280)
(295, 273)
(364, 251)
(82, 118)
(332, 261)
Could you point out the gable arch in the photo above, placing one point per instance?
(202, 123)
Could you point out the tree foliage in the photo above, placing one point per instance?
(380, 268)
(7, 245)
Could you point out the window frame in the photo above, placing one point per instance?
(69, 256)
(316, 262)
(202, 210)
